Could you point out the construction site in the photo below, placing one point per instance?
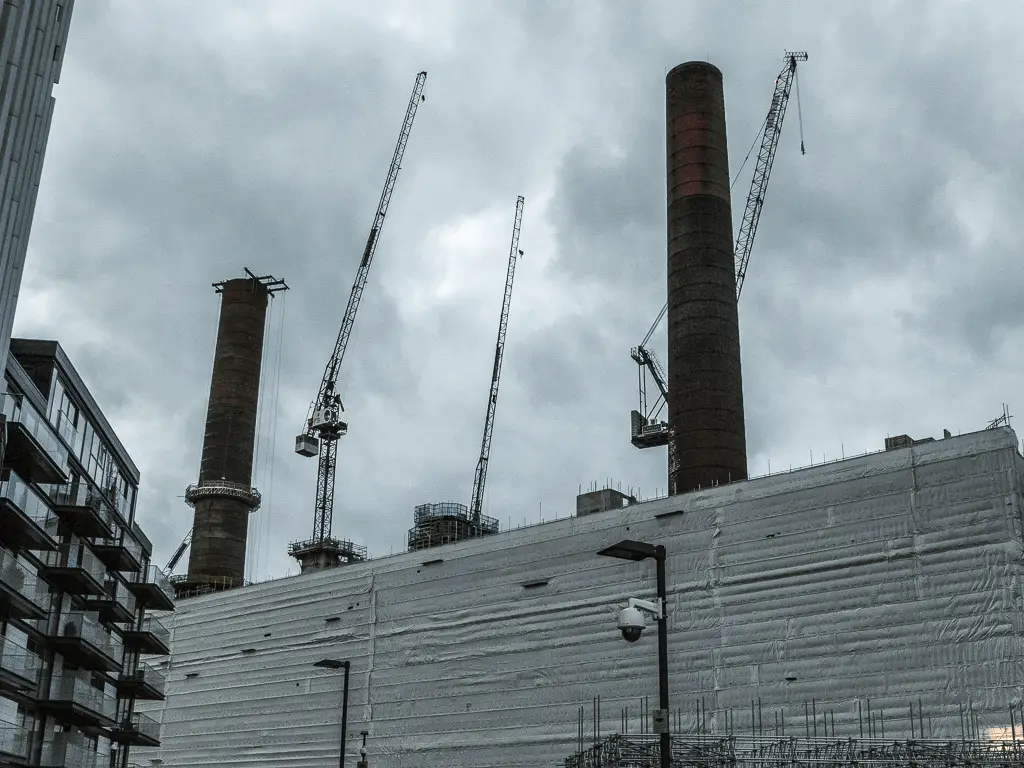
(865, 611)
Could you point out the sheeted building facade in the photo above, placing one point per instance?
(894, 577)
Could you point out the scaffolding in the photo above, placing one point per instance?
(768, 751)
(703, 739)
(446, 523)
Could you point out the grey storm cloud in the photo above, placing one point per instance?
(191, 139)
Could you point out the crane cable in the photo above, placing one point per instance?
(273, 434)
(753, 144)
(799, 113)
(252, 543)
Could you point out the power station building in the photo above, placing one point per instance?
(873, 582)
(861, 590)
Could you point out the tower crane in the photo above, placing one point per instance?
(646, 430)
(324, 423)
(480, 477)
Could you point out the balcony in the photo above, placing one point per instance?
(19, 667)
(139, 731)
(144, 683)
(77, 571)
(33, 450)
(75, 700)
(65, 753)
(84, 511)
(83, 641)
(117, 604)
(153, 589)
(143, 539)
(118, 502)
(153, 639)
(14, 744)
(22, 594)
(121, 553)
(26, 521)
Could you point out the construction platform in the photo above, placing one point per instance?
(447, 522)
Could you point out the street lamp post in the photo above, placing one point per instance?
(636, 551)
(338, 664)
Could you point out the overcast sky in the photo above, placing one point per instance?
(192, 138)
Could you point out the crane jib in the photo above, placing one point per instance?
(329, 423)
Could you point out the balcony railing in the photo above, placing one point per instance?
(138, 729)
(153, 638)
(28, 522)
(115, 604)
(61, 753)
(19, 667)
(40, 456)
(69, 689)
(144, 683)
(120, 553)
(14, 741)
(81, 637)
(119, 502)
(22, 594)
(153, 588)
(86, 511)
(76, 570)
(143, 539)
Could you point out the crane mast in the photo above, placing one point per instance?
(647, 431)
(324, 423)
(480, 476)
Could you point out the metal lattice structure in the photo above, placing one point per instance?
(446, 523)
(480, 476)
(707, 751)
(763, 167)
(324, 424)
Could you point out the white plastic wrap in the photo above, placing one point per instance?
(892, 577)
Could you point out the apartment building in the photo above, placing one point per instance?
(77, 637)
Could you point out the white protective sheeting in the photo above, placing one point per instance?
(891, 577)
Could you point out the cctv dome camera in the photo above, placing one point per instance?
(631, 624)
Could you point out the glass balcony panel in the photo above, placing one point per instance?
(31, 504)
(159, 579)
(14, 740)
(76, 570)
(85, 558)
(132, 546)
(145, 675)
(146, 725)
(17, 409)
(69, 688)
(18, 660)
(147, 545)
(61, 753)
(85, 498)
(152, 625)
(119, 502)
(22, 581)
(87, 627)
(119, 592)
(153, 589)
